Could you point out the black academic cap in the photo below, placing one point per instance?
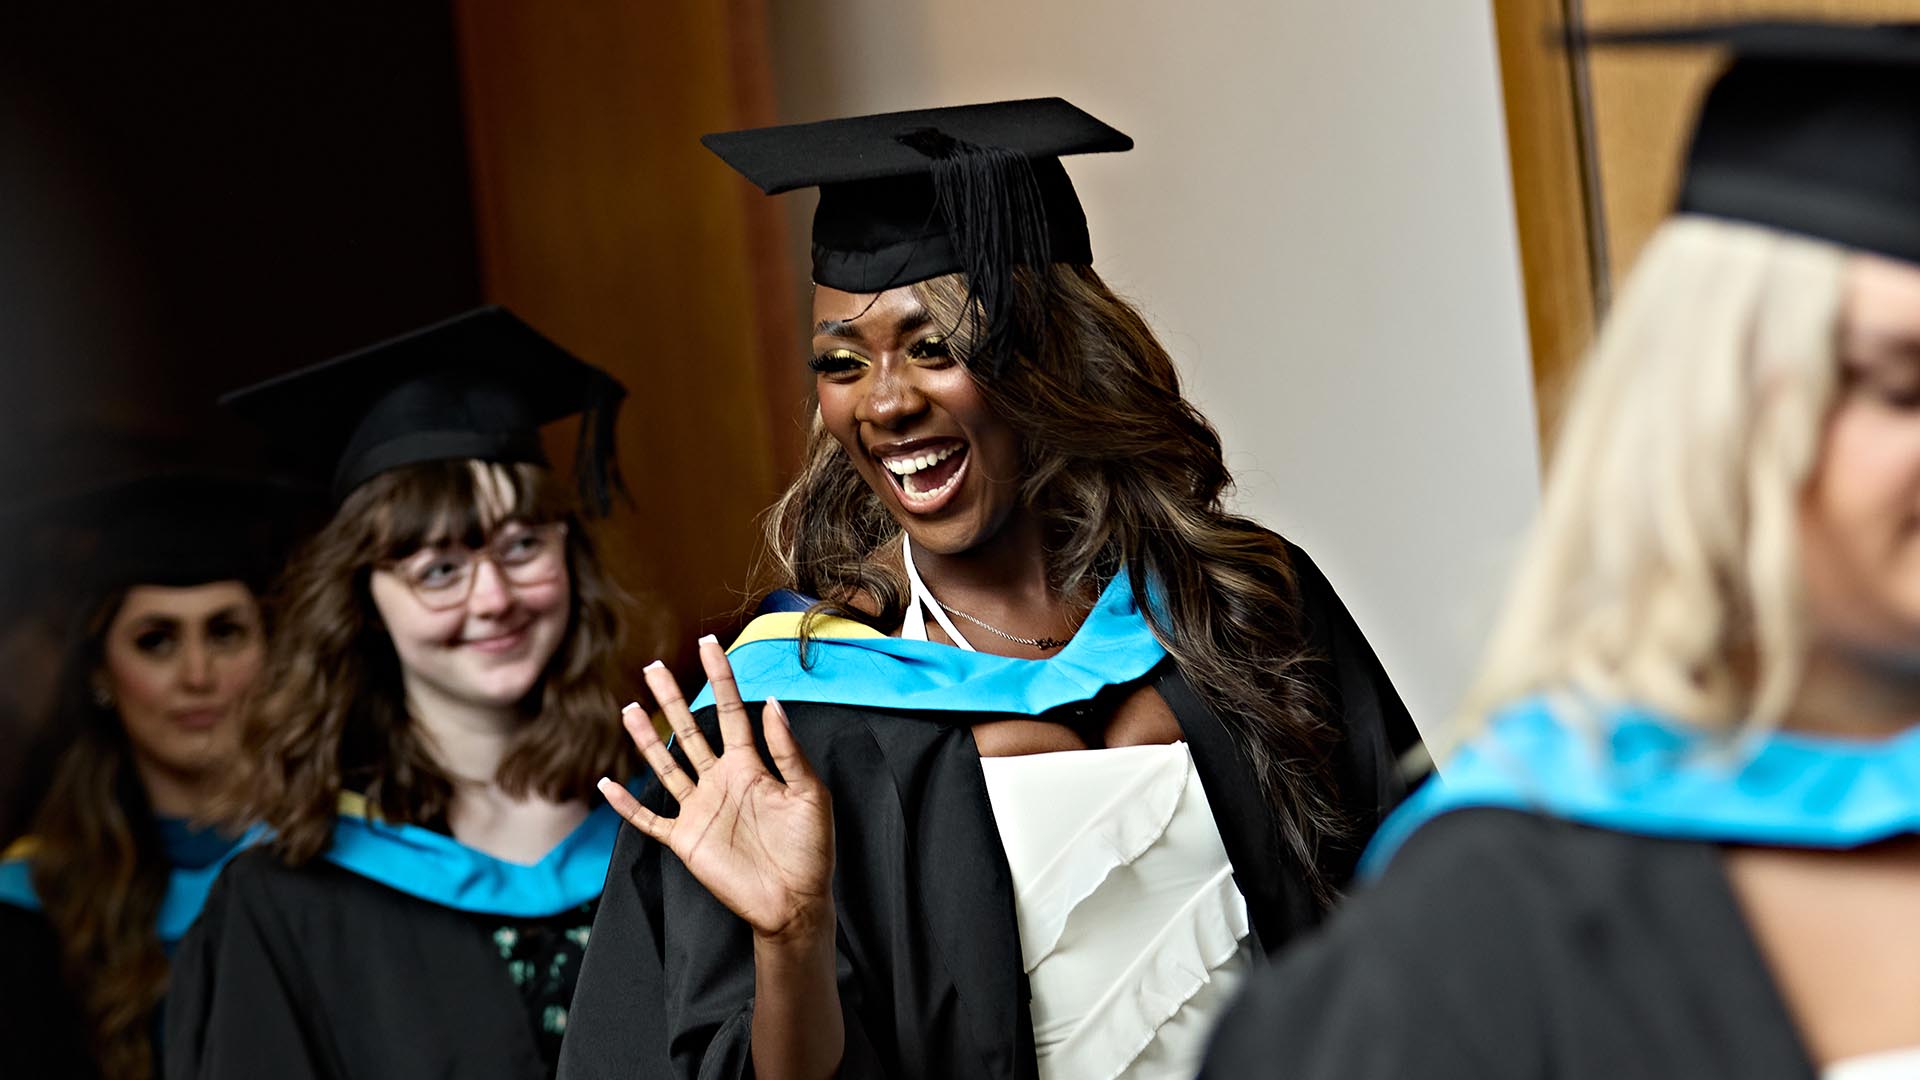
(478, 385)
(1813, 128)
(907, 196)
(174, 528)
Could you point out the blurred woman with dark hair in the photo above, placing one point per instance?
(119, 853)
(426, 732)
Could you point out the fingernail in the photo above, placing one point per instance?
(655, 664)
(630, 706)
(776, 707)
(709, 639)
(605, 783)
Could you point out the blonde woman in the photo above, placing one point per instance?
(1680, 839)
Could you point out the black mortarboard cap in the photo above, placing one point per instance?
(907, 196)
(171, 528)
(478, 385)
(1813, 128)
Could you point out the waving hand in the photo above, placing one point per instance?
(761, 844)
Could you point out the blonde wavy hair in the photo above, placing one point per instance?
(1663, 570)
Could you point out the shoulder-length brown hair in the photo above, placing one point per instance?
(329, 711)
(1125, 472)
(99, 867)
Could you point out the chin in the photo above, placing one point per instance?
(504, 687)
(938, 541)
(951, 534)
(191, 757)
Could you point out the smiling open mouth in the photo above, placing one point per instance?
(926, 476)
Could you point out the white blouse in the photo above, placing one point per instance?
(1903, 1064)
(1133, 933)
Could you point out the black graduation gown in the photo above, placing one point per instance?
(929, 960)
(43, 1027)
(316, 972)
(1501, 945)
(43, 1032)
(385, 957)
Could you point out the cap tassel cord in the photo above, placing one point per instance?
(596, 455)
(996, 221)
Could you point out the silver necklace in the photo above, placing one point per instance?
(1044, 643)
(923, 595)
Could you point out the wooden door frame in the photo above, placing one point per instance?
(1562, 244)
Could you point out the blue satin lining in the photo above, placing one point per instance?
(16, 884)
(437, 868)
(409, 859)
(186, 894)
(1635, 771)
(1112, 647)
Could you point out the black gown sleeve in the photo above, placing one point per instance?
(656, 1004)
(1506, 946)
(1414, 977)
(240, 1005)
(1378, 729)
(42, 1030)
(616, 1025)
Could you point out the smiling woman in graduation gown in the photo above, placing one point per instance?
(431, 722)
(1683, 843)
(167, 637)
(1066, 749)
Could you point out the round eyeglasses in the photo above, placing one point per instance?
(442, 578)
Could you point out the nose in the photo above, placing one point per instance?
(491, 596)
(196, 665)
(893, 396)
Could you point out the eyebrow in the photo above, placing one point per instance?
(843, 328)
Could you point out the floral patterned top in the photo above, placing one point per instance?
(542, 957)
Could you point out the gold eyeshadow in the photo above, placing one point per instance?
(836, 360)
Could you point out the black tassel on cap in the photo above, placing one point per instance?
(996, 220)
(596, 452)
(477, 386)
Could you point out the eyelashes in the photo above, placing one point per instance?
(833, 361)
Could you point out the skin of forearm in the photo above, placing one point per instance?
(798, 1030)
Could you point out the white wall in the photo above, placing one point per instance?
(1317, 218)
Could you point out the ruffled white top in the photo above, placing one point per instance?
(1903, 1064)
(1133, 933)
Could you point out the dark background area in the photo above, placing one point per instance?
(195, 197)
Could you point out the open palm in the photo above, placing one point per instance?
(761, 844)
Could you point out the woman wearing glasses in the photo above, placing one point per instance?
(427, 731)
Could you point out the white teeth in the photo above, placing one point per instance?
(906, 486)
(906, 466)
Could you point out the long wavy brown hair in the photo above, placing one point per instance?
(1124, 472)
(99, 867)
(329, 715)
